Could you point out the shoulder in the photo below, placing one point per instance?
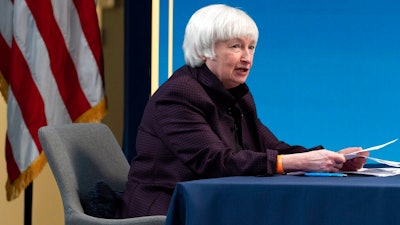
(183, 84)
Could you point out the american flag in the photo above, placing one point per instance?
(51, 72)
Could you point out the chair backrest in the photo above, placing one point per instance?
(80, 155)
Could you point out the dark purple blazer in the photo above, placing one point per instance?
(186, 134)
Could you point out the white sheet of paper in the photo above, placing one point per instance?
(386, 162)
(378, 172)
(354, 154)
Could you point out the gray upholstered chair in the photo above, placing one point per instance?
(80, 155)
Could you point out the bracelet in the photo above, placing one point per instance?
(279, 165)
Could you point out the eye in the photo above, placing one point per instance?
(236, 46)
(252, 48)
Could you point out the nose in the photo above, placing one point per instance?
(246, 56)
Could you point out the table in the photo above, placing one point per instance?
(287, 200)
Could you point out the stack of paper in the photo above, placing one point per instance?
(380, 172)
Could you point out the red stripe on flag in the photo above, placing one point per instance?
(12, 167)
(26, 94)
(61, 63)
(87, 15)
(5, 53)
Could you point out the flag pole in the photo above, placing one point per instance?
(28, 204)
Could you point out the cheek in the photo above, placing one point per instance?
(230, 62)
(224, 64)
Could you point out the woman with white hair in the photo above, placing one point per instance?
(202, 122)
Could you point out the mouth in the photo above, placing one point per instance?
(243, 69)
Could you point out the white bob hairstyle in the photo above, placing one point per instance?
(211, 24)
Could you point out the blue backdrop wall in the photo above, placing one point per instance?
(325, 72)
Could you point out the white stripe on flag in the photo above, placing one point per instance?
(23, 148)
(70, 26)
(6, 14)
(34, 50)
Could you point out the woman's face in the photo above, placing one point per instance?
(233, 60)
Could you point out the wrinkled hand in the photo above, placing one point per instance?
(355, 163)
(324, 160)
(314, 161)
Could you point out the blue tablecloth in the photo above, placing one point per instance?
(287, 200)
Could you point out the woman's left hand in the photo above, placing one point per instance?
(355, 163)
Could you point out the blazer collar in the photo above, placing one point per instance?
(213, 86)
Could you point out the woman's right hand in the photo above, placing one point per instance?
(313, 161)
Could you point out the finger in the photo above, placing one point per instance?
(354, 164)
(350, 150)
(339, 159)
(334, 170)
(338, 166)
(358, 161)
(365, 154)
